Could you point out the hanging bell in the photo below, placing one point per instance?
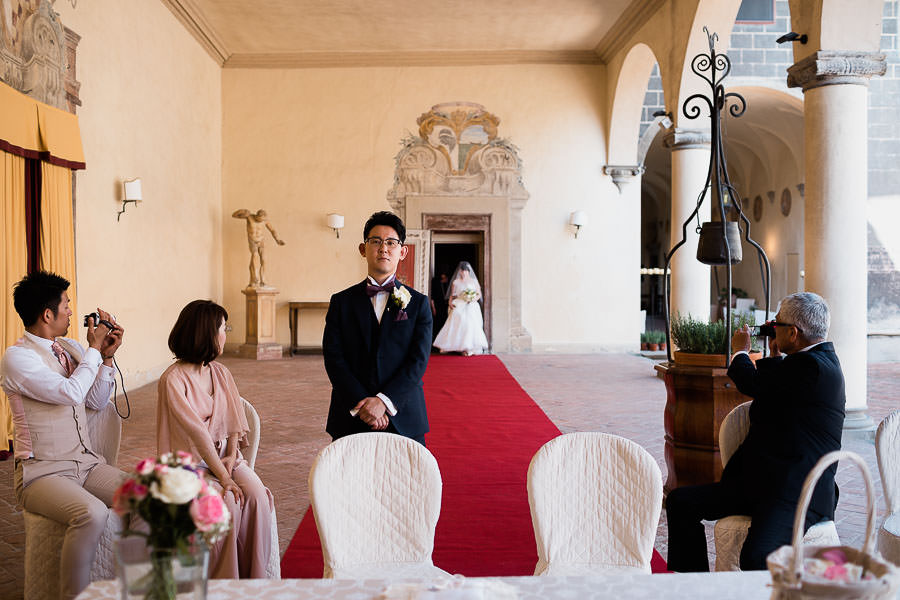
(711, 247)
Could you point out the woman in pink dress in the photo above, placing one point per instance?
(200, 412)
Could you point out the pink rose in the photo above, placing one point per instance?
(161, 469)
(139, 492)
(123, 495)
(838, 572)
(145, 467)
(186, 458)
(208, 511)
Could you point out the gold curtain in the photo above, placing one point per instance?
(13, 262)
(58, 231)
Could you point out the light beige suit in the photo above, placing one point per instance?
(65, 479)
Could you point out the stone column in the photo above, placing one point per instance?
(836, 171)
(690, 166)
(519, 336)
(260, 343)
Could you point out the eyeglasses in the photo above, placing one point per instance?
(780, 324)
(228, 327)
(390, 243)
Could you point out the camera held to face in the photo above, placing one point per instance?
(766, 330)
(98, 321)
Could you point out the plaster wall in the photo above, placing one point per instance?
(306, 142)
(151, 109)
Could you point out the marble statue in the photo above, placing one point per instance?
(256, 225)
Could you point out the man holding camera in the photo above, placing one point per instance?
(796, 417)
(50, 380)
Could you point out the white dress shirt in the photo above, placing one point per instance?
(379, 303)
(24, 372)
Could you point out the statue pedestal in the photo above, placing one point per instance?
(260, 343)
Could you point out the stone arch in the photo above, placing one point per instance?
(837, 25)
(628, 100)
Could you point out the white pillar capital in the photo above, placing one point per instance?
(678, 138)
(622, 175)
(836, 67)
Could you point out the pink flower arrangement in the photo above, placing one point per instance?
(171, 496)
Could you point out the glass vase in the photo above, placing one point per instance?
(150, 573)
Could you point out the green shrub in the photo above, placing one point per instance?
(700, 337)
(645, 337)
(656, 337)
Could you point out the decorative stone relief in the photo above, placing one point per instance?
(458, 159)
(457, 152)
(37, 54)
(832, 67)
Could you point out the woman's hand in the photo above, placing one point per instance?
(228, 485)
(228, 462)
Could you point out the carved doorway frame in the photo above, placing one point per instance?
(457, 223)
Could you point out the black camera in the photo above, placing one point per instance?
(98, 321)
(766, 330)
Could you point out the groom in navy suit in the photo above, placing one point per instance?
(377, 341)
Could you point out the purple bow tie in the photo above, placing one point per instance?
(371, 290)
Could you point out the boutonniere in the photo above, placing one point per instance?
(400, 298)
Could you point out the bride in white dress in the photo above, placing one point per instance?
(464, 329)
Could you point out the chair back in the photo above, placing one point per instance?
(249, 453)
(376, 498)
(104, 428)
(887, 449)
(733, 430)
(595, 499)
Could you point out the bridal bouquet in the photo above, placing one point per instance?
(470, 295)
(172, 497)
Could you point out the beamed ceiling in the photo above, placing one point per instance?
(327, 33)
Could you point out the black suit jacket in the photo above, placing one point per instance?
(364, 358)
(796, 417)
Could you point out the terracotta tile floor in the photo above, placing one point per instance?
(597, 392)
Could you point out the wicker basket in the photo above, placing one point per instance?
(789, 582)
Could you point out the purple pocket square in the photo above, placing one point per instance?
(401, 315)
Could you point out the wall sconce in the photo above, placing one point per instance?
(578, 219)
(793, 36)
(336, 222)
(131, 193)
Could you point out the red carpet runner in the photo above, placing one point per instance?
(484, 431)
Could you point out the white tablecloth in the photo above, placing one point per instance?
(751, 585)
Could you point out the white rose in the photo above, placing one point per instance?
(404, 296)
(176, 486)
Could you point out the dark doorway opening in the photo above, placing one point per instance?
(446, 257)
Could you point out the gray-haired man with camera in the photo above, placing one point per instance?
(50, 380)
(796, 417)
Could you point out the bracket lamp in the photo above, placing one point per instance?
(578, 219)
(792, 37)
(336, 222)
(131, 192)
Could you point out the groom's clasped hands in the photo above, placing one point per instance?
(373, 412)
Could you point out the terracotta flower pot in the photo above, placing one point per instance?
(644, 345)
(653, 347)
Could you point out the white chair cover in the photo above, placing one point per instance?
(273, 569)
(44, 537)
(249, 453)
(887, 449)
(731, 532)
(376, 498)
(595, 503)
